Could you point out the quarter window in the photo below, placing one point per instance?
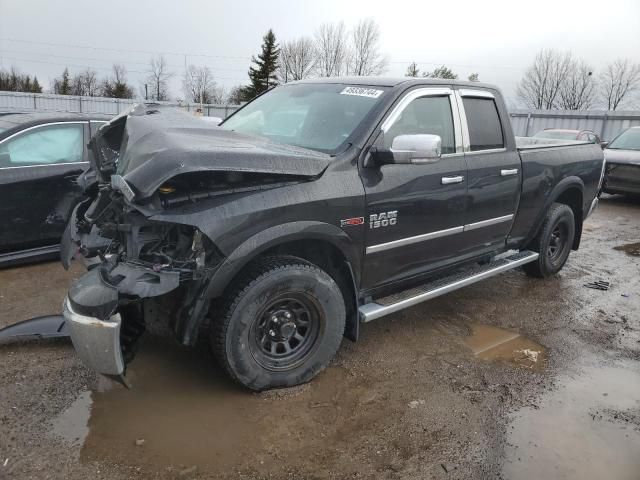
(44, 146)
(431, 115)
(485, 129)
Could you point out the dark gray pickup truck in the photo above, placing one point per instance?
(316, 207)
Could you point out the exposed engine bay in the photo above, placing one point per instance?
(134, 232)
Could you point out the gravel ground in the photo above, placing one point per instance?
(432, 392)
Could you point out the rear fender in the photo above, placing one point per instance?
(563, 186)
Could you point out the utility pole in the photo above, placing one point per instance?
(146, 92)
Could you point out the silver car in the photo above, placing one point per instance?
(623, 163)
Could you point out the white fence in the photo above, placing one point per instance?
(524, 122)
(43, 102)
(606, 124)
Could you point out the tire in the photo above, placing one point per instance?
(553, 242)
(280, 303)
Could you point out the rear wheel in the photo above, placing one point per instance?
(553, 242)
(282, 324)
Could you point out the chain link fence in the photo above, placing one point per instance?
(44, 102)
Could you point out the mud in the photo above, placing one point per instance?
(632, 249)
(570, 434)
(448, 389)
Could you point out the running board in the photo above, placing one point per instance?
(408, 298)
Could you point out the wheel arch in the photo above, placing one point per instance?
(569, 191)
(322, 244)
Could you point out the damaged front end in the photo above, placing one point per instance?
(160, 188)
(132, 262)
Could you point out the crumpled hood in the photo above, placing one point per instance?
(629, 157)
(158, 144)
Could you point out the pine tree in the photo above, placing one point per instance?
(412, 70)
(263, 75)
(35, 87)
(62, 86)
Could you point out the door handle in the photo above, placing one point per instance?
(506, 173)
(450, 180)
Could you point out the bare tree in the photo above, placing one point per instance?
(619, 82)
(85, 83)
(297, 59)
(331, 49)
(116, 86)
(577, 90)
(158, 78)
(365, 57)
(199, 84)
(542, 81)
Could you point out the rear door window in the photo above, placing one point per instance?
(46, 145)
(485, 128)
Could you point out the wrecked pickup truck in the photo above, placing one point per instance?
(319, 205)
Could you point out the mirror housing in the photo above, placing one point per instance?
(407, 149)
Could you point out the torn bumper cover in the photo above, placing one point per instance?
(91, 311)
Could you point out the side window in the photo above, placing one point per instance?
(44, 146)
(485, 129)
(430, 114)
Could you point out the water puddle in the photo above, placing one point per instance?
(498, 344)
(589, 428)
(183, 414)
(632, 249)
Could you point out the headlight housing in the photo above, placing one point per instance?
(120, 184)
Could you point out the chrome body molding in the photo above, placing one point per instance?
(418, 238)
(486, 223)
(437, 234)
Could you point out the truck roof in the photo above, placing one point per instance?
(394, 81)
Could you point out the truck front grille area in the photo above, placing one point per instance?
(158, 246)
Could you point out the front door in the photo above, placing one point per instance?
(38, 190)
(415, 213)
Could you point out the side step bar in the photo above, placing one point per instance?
(394, 303)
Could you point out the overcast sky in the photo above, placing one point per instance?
(497, 39)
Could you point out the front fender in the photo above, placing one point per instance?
(277, 235)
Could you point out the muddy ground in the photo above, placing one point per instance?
(510, 378)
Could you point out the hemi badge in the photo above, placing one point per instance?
(352, 221)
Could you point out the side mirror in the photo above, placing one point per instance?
(409, 149)
(604, 144)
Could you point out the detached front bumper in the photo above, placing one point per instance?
(96, 341)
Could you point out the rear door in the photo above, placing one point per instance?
(494, 172)
(39, 167)
(415, 212)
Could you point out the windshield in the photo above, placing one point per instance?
(316, 116)
(627, 140)
(557, 135)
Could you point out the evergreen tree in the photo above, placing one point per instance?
(441, 72)
(412, 70)
(35, 86)
(264, 73)
(62, 86)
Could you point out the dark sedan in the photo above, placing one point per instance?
(41, 156)
(623, 163)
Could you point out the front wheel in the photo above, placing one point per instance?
(281, 325)
(553, 242)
